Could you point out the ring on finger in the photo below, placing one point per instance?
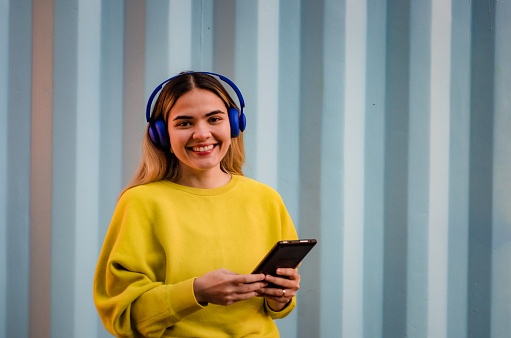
(283, 293)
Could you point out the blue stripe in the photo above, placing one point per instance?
(396, 169)
(481, 170)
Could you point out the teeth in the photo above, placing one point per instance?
(203, 148)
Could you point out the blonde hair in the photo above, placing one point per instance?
(160, 164)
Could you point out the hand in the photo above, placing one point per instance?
(224, 287)
(279, 297)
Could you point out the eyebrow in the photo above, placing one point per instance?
(185, 117)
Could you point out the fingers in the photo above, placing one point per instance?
(237, 291)
(292, 281)
(286, 287)
(277, 294)
(245, 279)
(225, 287)
(277, 298)
(291, 273)
(248, 285)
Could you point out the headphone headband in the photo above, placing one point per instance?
(221, 77)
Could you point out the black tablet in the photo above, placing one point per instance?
(284, 254)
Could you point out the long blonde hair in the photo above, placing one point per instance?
(161, 164)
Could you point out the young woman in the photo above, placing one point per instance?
(190, 228)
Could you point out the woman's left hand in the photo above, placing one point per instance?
(280, 296)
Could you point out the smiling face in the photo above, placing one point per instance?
(199, 132)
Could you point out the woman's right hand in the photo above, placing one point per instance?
(224, 287)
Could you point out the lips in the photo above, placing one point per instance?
(203, 148)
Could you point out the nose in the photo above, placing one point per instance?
(201, 131)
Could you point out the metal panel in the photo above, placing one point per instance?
(383, 124)
(4, 149)
(17, 159)
(501, 242)
(65, 77)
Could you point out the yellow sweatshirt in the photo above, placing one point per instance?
(164, 235)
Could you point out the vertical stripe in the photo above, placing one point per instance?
(224, 36)
(64, 193)
(288, 106)
(267, 91)
(396, 168)
(481, 173)
(179, 35)
(4, 150)
(156, 42)
(111, 91)
(87, 162)
(245, 35)
(311, 97)
(439, 169)
(374, 169)
(41, 169)
(332, 171)
(459, 170)
(501, 241)
(134, 101)
(202, 35)
(354, 108)
(418, 167)
(18, 169)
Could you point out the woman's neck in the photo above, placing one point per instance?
(204, 180)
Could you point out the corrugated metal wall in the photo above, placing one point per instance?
(385, 126)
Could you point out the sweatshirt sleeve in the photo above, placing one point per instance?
(130, 293)
(282, 313)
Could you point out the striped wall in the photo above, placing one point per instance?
(384, 124)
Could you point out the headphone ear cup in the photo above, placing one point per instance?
(163, 134)
(243, 121)
(234, 122)
(159, 135)
(153, 135)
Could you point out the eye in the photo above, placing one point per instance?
(214, 119)
(183, 124)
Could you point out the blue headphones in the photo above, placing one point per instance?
(158, 132)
